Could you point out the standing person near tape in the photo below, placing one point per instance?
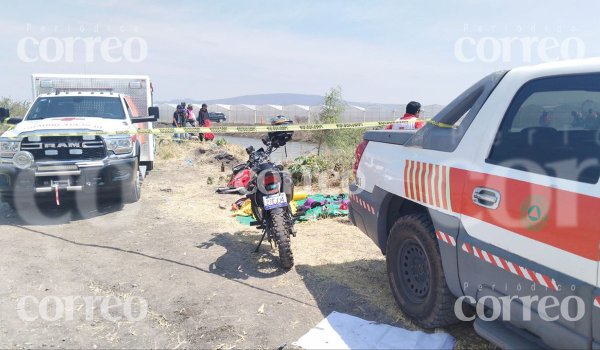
(410, 120)
(179, 118)
(203, 116)
(191, 118)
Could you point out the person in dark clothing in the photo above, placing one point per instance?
(202, 115)
(179, 119)
(202, 118)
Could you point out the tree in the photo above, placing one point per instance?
(333, 107)
(17, 109)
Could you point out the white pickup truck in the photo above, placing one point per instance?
(48, 151)
(496, 211)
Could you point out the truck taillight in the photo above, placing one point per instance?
(358, 154)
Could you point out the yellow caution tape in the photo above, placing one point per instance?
(5, 123)
(441, 125)
(241, 129)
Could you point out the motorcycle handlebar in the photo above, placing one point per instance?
(259, 155)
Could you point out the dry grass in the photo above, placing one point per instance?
(341, 252)
(326, 251)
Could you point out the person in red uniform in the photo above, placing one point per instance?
(410, 120)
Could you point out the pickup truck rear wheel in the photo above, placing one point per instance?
(415, 272)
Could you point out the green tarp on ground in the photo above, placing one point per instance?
(330, 208)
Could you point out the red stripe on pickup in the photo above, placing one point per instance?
(566, 220)
(444, 184)
(406, 165)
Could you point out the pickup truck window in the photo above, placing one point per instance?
(460, 113)
(76, 106)
(552, 128)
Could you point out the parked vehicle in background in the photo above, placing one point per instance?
(217, 117)
(138, 88)
(497, 210)
(53, 149)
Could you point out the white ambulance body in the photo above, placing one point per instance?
(137, 87)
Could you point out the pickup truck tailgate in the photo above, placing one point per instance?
(397, 137)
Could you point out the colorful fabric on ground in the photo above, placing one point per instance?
(245, 209)
(313, 207)
(322, 206)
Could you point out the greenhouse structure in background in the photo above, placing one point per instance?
(245, 114)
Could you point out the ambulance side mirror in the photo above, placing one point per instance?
(154, 112)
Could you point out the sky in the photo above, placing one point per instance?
(376, 51)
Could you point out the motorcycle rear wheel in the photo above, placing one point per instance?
(281, 234)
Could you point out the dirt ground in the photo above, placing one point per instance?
(179, 250)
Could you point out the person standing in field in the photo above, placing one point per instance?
(411, 119)
(191, 118)
(179, 118)
(203, 116)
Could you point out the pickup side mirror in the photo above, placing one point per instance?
(4, 114)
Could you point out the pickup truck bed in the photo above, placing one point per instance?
(497, 211)
(393, 137)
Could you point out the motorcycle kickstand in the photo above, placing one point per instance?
(261, 240)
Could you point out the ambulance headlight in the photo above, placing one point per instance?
(9, 148)
(23, 160)
(120, 145)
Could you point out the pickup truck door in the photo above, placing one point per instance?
(530, 206)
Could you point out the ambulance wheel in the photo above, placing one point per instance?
(133, 192)
(9, 200)
(415, 272)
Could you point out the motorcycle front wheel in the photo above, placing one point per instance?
(281, 233)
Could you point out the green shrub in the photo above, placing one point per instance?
(328, 163)
(221, 142)
(310, 165)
